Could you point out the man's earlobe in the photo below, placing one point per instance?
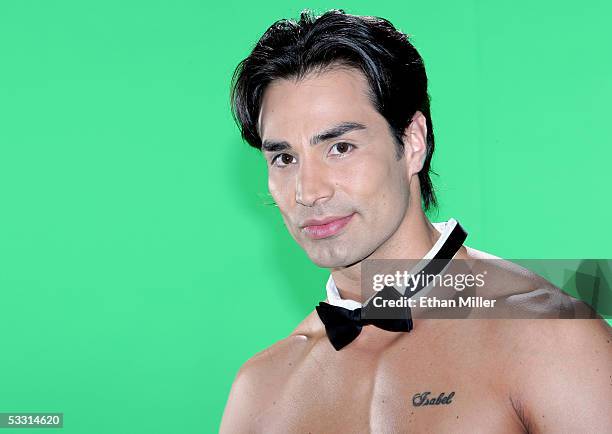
(415, 143)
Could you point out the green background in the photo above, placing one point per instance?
(140, 261)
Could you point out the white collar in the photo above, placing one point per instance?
(333, 296)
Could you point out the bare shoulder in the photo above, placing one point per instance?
(263, 375)
(281, 356)
(557, 373)
(282, 353)
(525, 293)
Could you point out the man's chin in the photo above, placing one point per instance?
(333, 259)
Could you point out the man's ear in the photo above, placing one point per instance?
(415, 143)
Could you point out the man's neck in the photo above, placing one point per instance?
(413, 239)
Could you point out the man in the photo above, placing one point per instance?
(338, 105)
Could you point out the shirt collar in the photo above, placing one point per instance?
(333, 295)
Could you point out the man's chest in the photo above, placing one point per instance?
(401, 391)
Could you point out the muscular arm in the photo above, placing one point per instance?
(256, 386)
(239, 410)
(565, 373)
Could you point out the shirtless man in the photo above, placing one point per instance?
(325, 99)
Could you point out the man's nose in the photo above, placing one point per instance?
(312, 183)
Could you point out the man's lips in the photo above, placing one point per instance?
(317, 229)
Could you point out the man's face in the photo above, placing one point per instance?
(332, 166)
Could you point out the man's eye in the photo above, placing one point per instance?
(282, 160)
(341, 148)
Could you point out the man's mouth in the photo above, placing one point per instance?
(324, 228)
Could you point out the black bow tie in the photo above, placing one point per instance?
(344, 325)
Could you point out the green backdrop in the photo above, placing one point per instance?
(140, 264)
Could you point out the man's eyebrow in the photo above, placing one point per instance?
(273, 146)
(330, 133)
(336, 131)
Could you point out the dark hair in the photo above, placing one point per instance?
(394, 69)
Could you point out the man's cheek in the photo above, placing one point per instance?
(279, 192)
(364, 182)
(272, 188)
